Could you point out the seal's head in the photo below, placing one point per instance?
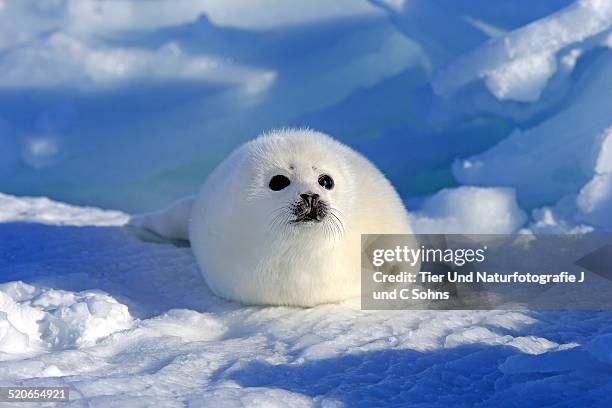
(301, 183)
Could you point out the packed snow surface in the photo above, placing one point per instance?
(124, 322)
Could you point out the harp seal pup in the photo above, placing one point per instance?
(279, 221)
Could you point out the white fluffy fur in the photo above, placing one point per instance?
(246, 249)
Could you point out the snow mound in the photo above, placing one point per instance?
(595, 199)
(37, 319)
(546, 221)
(469, 210)
(64, 60)
(517, 66)
(556, 157)
(43, 210)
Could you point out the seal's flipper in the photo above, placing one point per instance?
(168, 224)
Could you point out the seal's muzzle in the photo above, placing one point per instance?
(309, 208)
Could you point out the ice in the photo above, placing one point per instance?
(64, 60)
(554, 158)
(547, 221)
(80, 320)
(124, 322)
(47, 319)
(558, 163)
(257, 15)
(604, 157)
(517, 66)
(19, 324)
(12, 341)
(595, 200)
(461, 25)
(601, 348)
(267, 14)
(372, 93)
(124, 77)
(43, 210)
(120, 80)
(522, 79)
(488, 117)
(87, 17)
(469, 210)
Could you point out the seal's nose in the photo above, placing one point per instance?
(310, 199)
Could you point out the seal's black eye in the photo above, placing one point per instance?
(279, 182)
(326, 182)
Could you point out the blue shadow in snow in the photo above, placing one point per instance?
(467, 376)
(150, 278)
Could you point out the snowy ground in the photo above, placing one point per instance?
(122, 322)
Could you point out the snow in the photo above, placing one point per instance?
(518, 65)
(545, 221)
(201, 73)
(604, 158)
(595, 199)
(554, 158)
(45, 211)
(558, 164)
(126, 322)
(87, 86)
(469, 210)
(61, 59)
(522, 79)
(488, 117)
(267, 14)
(56, 319)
